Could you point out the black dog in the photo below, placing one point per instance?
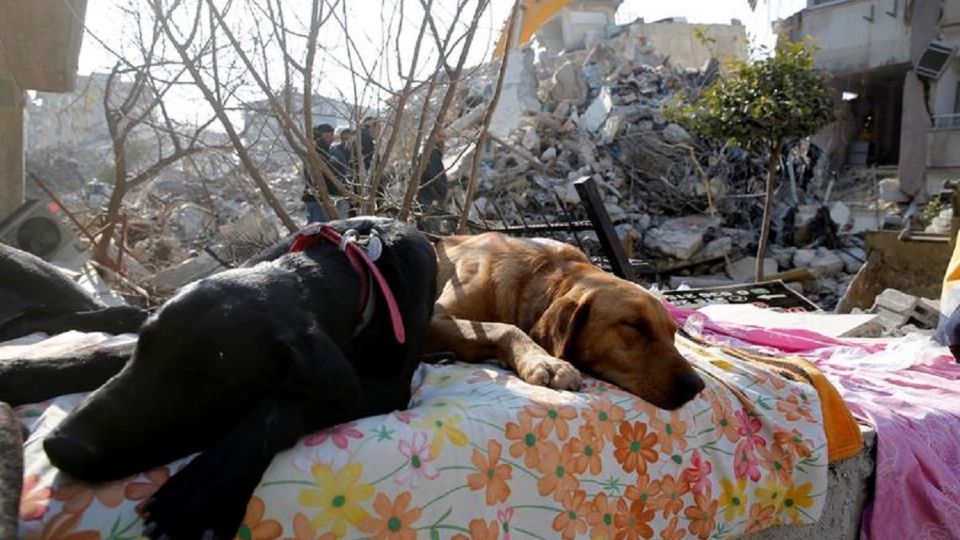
(36, 297)
(242, 364)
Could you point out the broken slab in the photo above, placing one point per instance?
(803, 258)
(744, 270)
(568, 84)
(675, 134)
(889, 189)
(596, 114)
(841, 215)
(896, 308)
(700, 282)
(826, 263)
(680, 237)
(519, 93)
(827, 324)
(188, 271)
(678, 243)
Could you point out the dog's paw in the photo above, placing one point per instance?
(544, 370)
(195, 504)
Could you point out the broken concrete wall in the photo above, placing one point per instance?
(688, 45)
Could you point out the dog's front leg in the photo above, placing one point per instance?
(208, 498)
(474, 341)
(32, 380)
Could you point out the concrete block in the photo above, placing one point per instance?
(803, 258)
(680, 237)
(192, 269)
(596, 113)
(826, 263)
(896, 301)
(890, 191)
(841, 215)
(744, 270)
(700, 282)
(678, 243)
(675, 134)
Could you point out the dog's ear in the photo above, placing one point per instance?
(312, 364)
(560, 325)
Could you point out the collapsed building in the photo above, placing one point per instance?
(688, 207)
(585, 100)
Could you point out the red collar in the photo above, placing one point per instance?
(362, 264)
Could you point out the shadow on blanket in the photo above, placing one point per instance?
(242, 364)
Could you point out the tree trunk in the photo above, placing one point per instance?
(473, 181)
(767, 205)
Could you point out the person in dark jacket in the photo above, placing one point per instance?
(433, 184)
(322, 137)
(370, 129)
(342, 150)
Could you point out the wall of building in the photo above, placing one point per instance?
(856, 35)
(573, 26)
(260, 122)
(680, 42)
(11, 143)
(77, 117)
(39, 50)
(916, 121)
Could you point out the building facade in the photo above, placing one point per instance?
(894, 73)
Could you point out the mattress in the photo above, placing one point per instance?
(481, 454)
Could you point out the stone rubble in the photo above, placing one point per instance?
(690, 208)
(693, 207)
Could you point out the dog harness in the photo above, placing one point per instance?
(363, 263)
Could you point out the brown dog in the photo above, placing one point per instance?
(538, 305)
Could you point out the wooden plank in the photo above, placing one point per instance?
(590, 196)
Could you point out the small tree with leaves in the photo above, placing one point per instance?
(760, 106)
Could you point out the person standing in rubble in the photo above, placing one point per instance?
(322, 138)
(341, 150)
(370, 128)
(432, 194)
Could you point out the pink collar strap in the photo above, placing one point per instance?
(361, 263)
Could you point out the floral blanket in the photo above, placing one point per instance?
(482, 455)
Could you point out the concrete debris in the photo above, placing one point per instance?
(699, 282)
(677, 243)
(826, 263)
(941, 223)
(841, 215)
(170, 279)
(744, 270)
(680, 238)
(897, 309)
(596, 113)
(689, 207)
(675, 134)
(568, 84)
(889, 189)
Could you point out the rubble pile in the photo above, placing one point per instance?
(691, 208)
(192, 207)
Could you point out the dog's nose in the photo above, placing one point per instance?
(69, 453)
(692, 384)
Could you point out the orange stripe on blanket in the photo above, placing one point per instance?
(844, 439)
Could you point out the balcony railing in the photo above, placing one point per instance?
(946, 120)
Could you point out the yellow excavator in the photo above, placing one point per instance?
(533, 14)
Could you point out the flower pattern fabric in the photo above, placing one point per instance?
(482, 455)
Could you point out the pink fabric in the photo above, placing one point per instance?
(909, 392)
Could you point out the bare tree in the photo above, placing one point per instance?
(133, 105)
